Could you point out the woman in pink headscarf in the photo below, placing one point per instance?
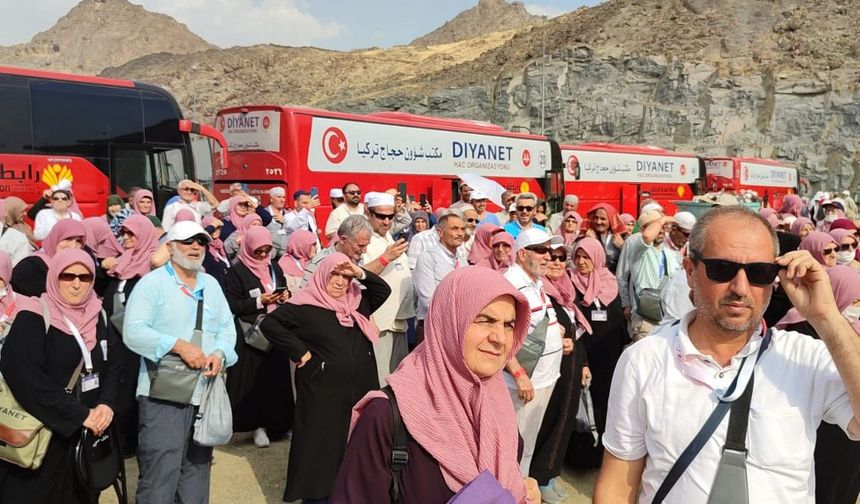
(143, 202)
(216, 262)
(31, 273)
(100, 239)
(482, 247)
(628, 221)
(596, 295)
(326, 330)
(502, 257)
(233, 243)
(452, 398)
(37, 365)
(259, 385)
(802, 227)
(569, 227)
(792, 204)
(847, 240)
(300, 249)
(822, 246)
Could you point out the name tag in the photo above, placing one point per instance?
(254, 293)
(599, 316)
(398, 266)
(89, 382)
(282, 232)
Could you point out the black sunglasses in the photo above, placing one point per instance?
(560, 257)
(829, 250)
(60, 198)
(70, 277)
(523, 208)
(846, 247)
(722, 271)
(353, 193)
(200, 240)
(382, 217)
(472, 221)
(539, 249)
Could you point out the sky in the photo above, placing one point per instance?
(331, 24)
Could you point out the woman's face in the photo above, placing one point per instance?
(337, 285)
(60, 201)
(570, 225)
(630, 226)
(145, 205)
(75, 283)
(243, 208)
(216, 233)
(420, 224)
(501, 251)
(313, 250)
(129, 241)
(556, 265)
(805, 230)
(582, 262)
(829, 252)
(2, 285)
(262, 253)
(255, 223)
(114, 209)
(490, 337)
(73, 242)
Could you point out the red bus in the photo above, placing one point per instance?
(771, 179)
(624, 175)
(104, 135)
(419, 156)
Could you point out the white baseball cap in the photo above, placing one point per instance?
(685, 220)
(335, 193)
(651, 207)
(185, 230)
(478, 195)
(533, 236)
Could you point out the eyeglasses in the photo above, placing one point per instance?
(353, 193)
(245, 204)
(523, 208)
(847, 247)
(382, 217)
(200, 240)
(125, 233)
(187, 189)
(722, 271)
(70, 277)
(262, 251)
(539, 249)
(685, 233)
(59, 198)
(562, 257)
(501, 244)
(472, 221)
(828, 251)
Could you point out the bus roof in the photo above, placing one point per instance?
(42, 74)
(625, 149)
(394, 118)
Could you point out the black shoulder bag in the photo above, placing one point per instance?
(399, 447)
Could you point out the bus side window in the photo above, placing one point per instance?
(16, 127)
(131, 168)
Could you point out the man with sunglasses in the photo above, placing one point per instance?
(667, 385)
(188, 193)
(525, 204)
(160, 318)
(351, 206)
(531, 394)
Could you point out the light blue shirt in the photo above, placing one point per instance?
(490, 218)
(513, 228)
(159, 312)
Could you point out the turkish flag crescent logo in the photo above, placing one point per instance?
(334, 145)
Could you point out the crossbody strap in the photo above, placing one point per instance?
(197, 337)
(74, 379)
(711, 424)
(399, 448)
(736, 437)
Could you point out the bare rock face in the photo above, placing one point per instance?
(97, 34)
(486, 17)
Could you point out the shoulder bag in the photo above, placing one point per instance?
(649, 303)
(253, 335)
(118, 316)
(532, 349)
(24, 438)
(171, 380)
(213, 425)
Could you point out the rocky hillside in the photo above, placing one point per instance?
(487, 17)
(97, 34)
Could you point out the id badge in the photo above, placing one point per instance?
(398, 266)
(282, 232)
(255, 293)
(89, 382)
(599, 316)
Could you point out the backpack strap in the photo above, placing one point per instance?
(399, 448)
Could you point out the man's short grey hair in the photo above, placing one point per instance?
(525, 195)
(353, 225)
(698, 236)
(447, 215)
(572, 199)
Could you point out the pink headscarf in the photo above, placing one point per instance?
(481, 247)
(62, 230)
(600, 283)
(840, 234)
(815, 242)
(298, 249)
(344, 307)
(561, 289)
(135, 262)
(139, 195)
(100, 238)
(797, 225)
(185, 215)
(8, 303)
(792, 204)
(466, 423)
(85, 315)
(235, 218)
(611, 213)
(491, 262)
(216, 245)
(253, 239)
(766, 213)
(627, 219)
(773, 221)
(569, 238)
(245, 223)
(846, 289)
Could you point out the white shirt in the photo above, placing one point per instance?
(14, 243)
(399, 306)
(546, 371)
(656, 409)
(422, 241)
(337, 216)
(431, 268)
(46, 219)
(200, 208)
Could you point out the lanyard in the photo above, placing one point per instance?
(664, 266)
(88, 359)
(182, 287)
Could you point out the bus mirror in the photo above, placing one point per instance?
(205, 130)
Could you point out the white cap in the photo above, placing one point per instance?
(512, 208)
(535, 236)
(185, 230)
(376, 199)
(685, 220)
(646, 218)
(63, 185)
(478, 195)
(335, 193)
(651, 207)
(277, 191)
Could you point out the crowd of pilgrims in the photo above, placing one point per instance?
(387, 294)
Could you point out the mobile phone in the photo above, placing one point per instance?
(422, 200)
(314, 192)
(280, 290)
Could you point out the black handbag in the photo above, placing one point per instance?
(99, 463)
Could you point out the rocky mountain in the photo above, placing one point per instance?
(487, 17)
(97, 34)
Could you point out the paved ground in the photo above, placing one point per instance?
(246, 474)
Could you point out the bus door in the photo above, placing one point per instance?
(445, 192)
(158, 169)
(552, 182)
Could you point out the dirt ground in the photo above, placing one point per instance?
(245, 474)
